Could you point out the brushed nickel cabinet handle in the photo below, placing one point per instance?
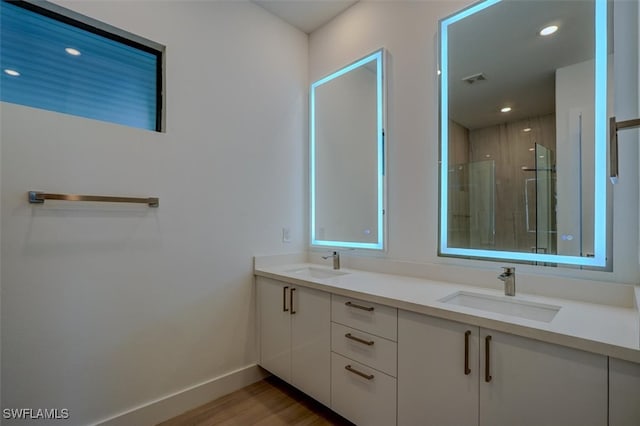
(364, 308)
(487, 359)
(467, 370)
(359, 373)
(293, 311)
(284, 299)
(37, 197)
(359, 340)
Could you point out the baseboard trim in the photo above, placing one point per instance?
(174, 404)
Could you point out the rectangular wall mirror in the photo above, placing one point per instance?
(523, 116)
(347, 156)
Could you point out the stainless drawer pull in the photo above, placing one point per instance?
(487, 359)
(467, 370)
(359, 340)
(364, 308)
(359, 373)
(284, 299)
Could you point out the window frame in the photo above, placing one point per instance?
(102, 29)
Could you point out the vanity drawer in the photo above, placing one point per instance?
(374, 351)
(368, 400)
(370, 317)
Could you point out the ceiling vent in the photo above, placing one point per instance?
(475, 77)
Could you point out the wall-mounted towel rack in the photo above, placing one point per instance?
(614, 126)
(36, 197)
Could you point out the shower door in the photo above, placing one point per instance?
(545, 200)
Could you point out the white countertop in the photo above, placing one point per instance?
(604, 329)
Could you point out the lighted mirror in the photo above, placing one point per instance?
(347, 156)
(523, 110)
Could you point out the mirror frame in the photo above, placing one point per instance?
(378, 57)
(600, 148)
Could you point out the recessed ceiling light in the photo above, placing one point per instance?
(505, 109)
(548, 30)
(532, 149)
(526, 129)
(12, 73)
(487, 155)
(73, 52)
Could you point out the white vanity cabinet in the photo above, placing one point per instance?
(534, 383)
(295, 333)
(624, 393)
(363, 361)
(450, 373)
(435, 383)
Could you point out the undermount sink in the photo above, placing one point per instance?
(314, 272)
(503, 305)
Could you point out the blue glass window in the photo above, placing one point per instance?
(53, 62)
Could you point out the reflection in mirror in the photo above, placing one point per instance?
(523, 139)
(347, 156)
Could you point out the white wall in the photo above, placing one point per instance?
(626, 84)
(408, 31)
(107, 307)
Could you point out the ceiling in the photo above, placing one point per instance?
(503, 43)
(306, 15)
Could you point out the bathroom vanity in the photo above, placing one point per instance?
(522, 178)
(384, 349)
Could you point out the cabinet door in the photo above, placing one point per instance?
(624, 393)
(275, 326)
(534, 383)
(311, 342)
(435, 385)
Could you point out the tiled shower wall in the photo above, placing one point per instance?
(512, 149)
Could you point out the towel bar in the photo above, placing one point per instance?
(36, 197)
(614, 126)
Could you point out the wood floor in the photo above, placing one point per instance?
(269, 402)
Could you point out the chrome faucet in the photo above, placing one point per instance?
(336, 259)
(509, 278)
